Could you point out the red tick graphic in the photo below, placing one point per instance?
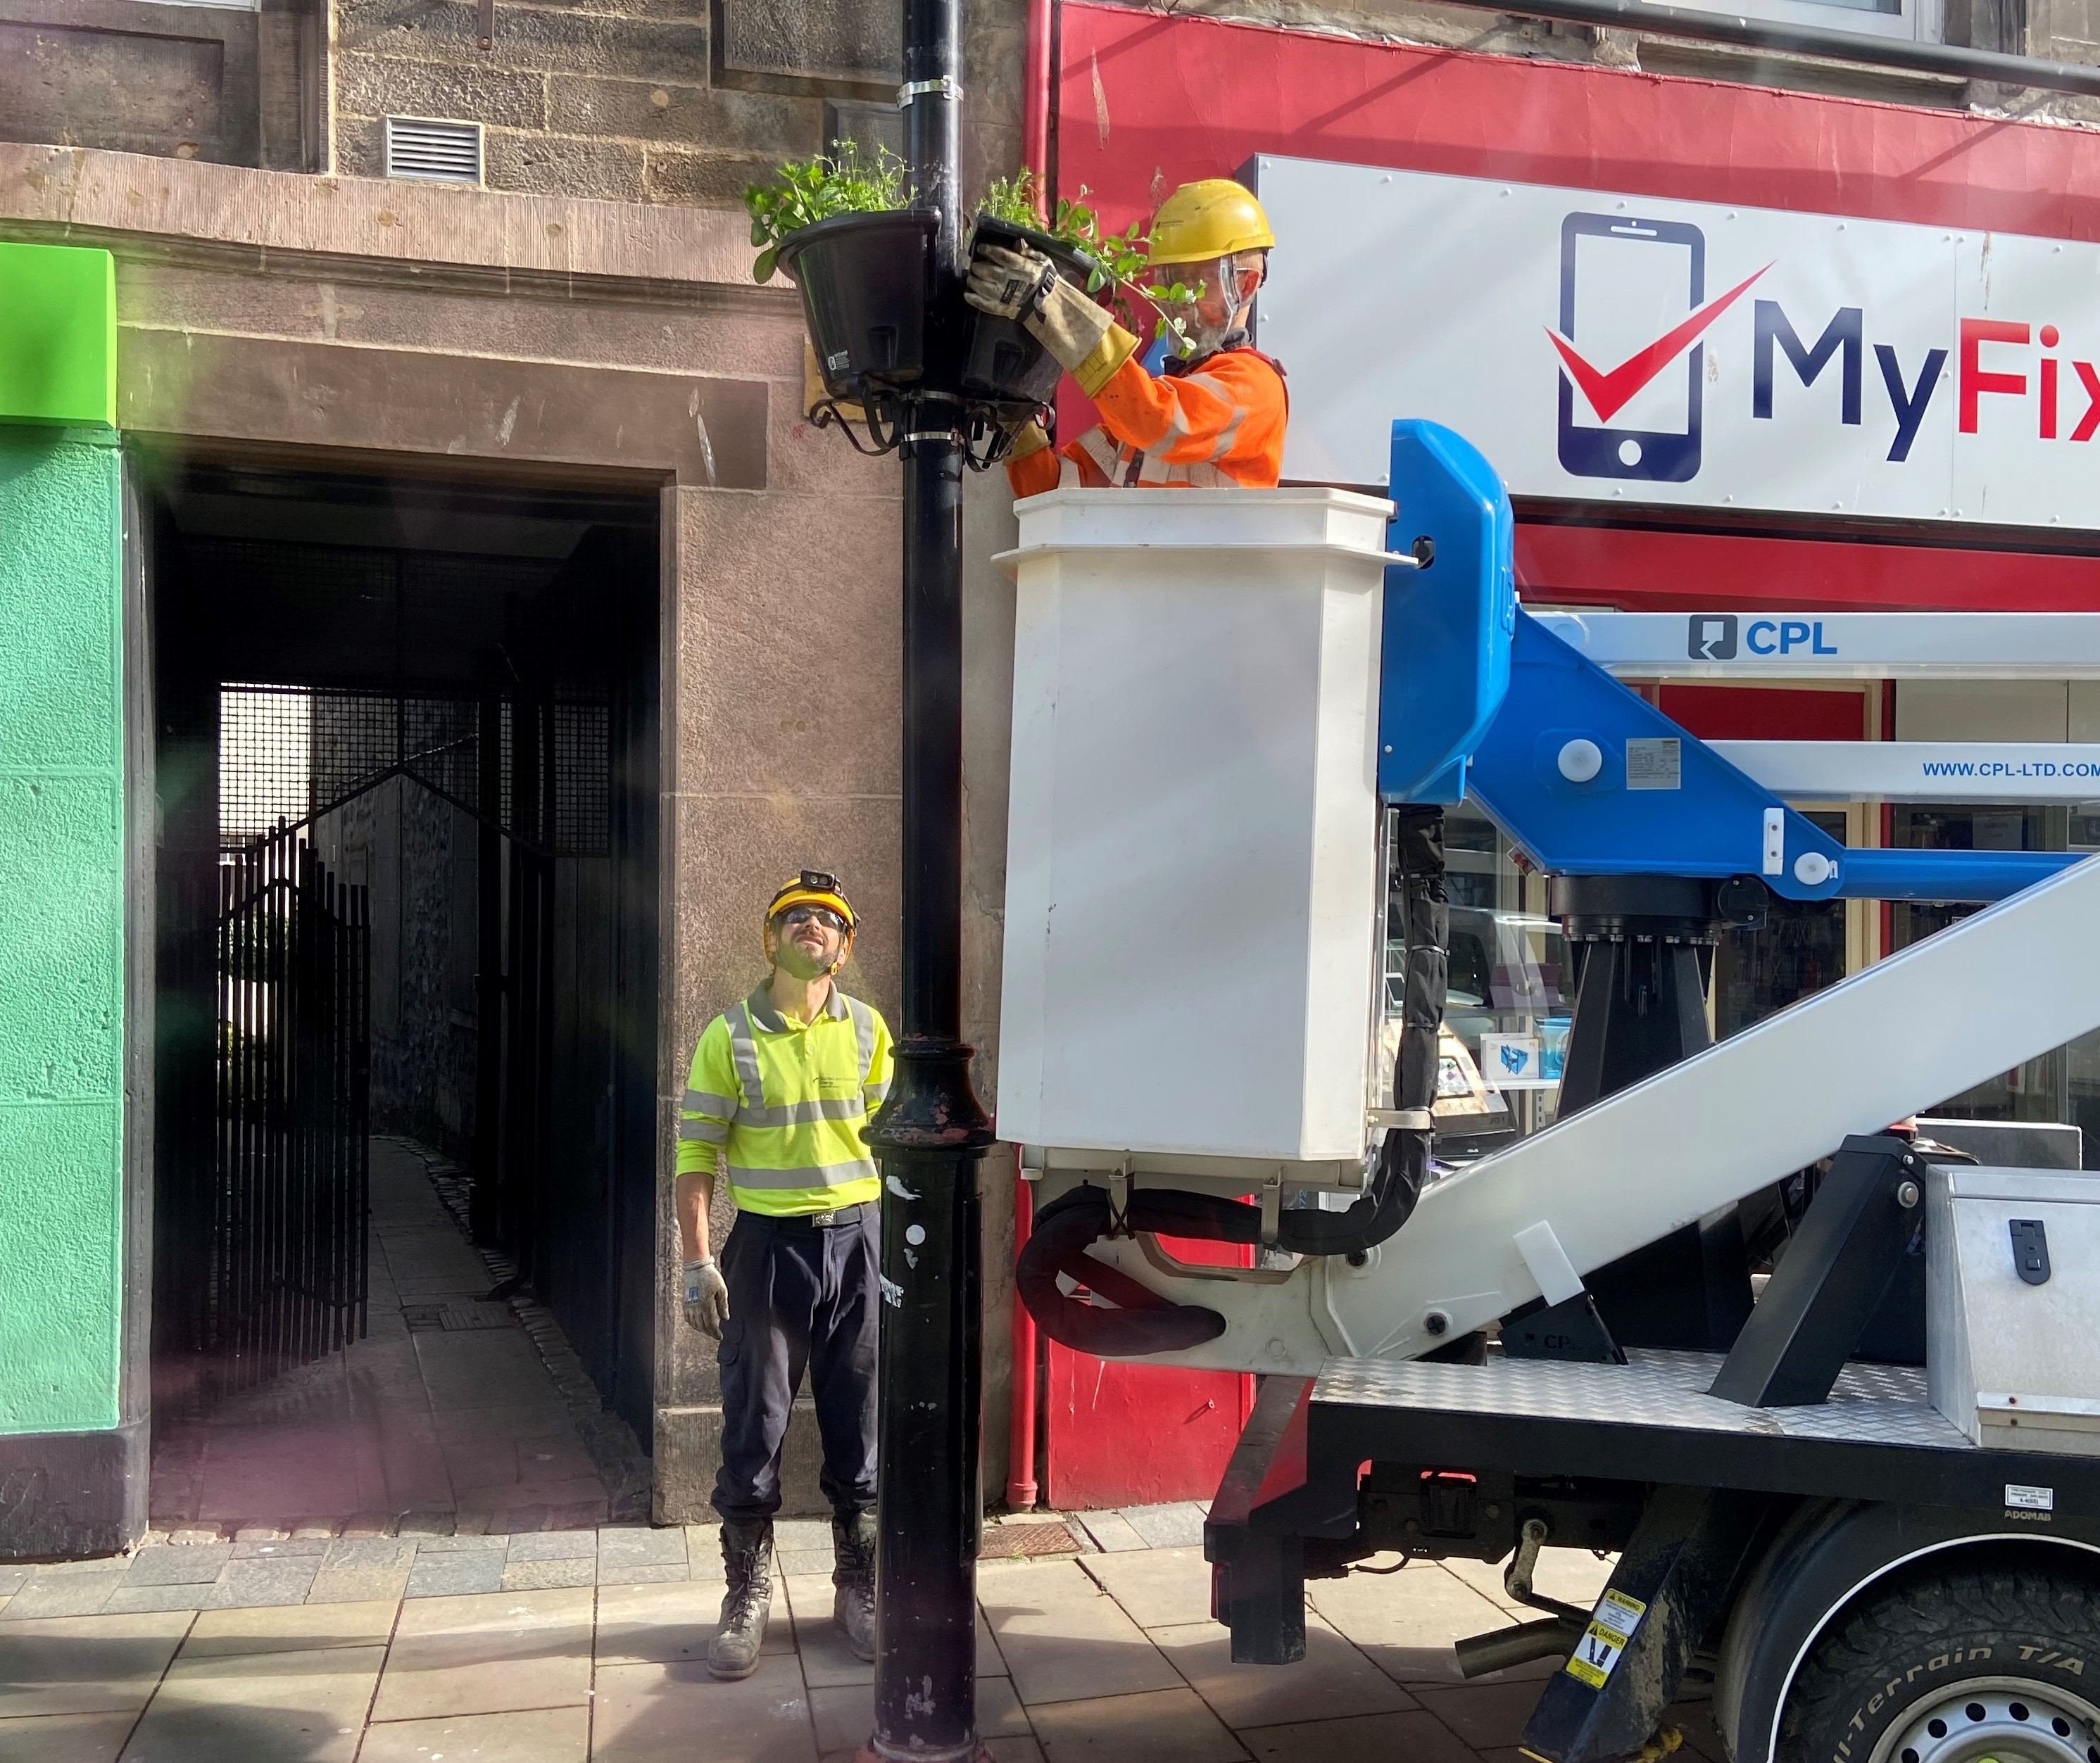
(1609, 392)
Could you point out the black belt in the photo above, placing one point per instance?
(813, 1221)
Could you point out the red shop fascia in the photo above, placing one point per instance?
(1143, 102)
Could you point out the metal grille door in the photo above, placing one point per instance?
(289, 1243)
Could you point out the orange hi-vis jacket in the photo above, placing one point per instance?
(1217, 425)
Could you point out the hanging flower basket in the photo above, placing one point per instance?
(1000, 360)
(865, 280)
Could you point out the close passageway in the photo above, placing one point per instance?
(451, 1408)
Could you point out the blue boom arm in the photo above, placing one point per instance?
(1588, 778)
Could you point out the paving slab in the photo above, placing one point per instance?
(277, 1548)
(641, 1546)
(193, 1564)
(261, 1581)
(1109, 1530)
(1156, 1587)
(1177, 1525)
(542, 1575)
(1065, 1639)
(1142, 1728)
(828, 1662)
(65, 1738)
(1332, 1676)
(488, 1654)
(671, 1623)
(544, 1735)
(619, 1576)
(349, 1586)
(1404, 1622)
(86, 1665)
(68, 1595)
(1482, 1714)
(453, 1576)
(653, 1713)
(459, 1544)
(127, 1598)
(260, 1708)
(1415, 1736)
(301, 1628)
(370, 1552)
(554, 1545)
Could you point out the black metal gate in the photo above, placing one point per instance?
(289, 1243)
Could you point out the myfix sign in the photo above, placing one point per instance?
(1620, 348)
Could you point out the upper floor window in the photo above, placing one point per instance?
(1914, 20)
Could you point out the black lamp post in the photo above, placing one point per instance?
(930, 1136)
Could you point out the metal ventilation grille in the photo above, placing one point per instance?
(441, 152)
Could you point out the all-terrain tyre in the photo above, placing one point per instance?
(1992, 1655)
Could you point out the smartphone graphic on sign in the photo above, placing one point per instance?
(1625, 284)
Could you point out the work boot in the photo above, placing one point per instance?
(852, 1576)
(747, 1547)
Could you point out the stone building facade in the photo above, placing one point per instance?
(574, 306)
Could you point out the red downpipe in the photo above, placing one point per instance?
(1036, 99)
(1020, 1433)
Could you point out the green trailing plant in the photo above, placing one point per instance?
(805, 190)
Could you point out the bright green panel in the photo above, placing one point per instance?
(61, 612)
(62, 893)
(61, 1289)
(58, 335)
(61, 938)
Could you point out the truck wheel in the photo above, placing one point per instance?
(1994, 1660)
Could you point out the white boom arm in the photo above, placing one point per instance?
(1835, 645)
(1996, 988)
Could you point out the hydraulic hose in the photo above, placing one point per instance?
(1144, 1322)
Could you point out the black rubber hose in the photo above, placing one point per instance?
(1144, 1322)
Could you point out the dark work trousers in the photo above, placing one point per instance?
(800, 1295)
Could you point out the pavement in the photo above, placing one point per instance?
(557, 1647)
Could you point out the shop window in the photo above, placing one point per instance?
(1507, 999)
(2063, 1085)
(1797, 950)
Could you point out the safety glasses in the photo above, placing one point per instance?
(823, 915)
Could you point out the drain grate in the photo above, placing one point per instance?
(457, 1316)
(1001, 1541)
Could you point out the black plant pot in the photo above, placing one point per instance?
(865, 280)
(1000, 360)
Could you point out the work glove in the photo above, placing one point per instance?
(706, 1297)
(1025, 284)
(1006, 282)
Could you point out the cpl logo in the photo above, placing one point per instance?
(1713, 637)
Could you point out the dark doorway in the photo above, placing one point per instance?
(436, 705)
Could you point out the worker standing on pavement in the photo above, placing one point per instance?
(1215, 417)
(782, 1085)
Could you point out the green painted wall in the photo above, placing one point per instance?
(62, 878)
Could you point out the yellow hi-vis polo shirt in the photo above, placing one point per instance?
(782, 1103)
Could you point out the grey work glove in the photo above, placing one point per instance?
(706, 1297)
(1008, 283)
(1025, 285)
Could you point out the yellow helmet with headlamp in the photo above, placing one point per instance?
(817, 891)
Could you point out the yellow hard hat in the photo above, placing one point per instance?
(1209, 219)
(812, 887)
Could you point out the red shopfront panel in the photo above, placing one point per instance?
(1118, 1434)
(1145, 101)
(1766, 713)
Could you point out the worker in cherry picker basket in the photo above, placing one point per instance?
(1213, 417)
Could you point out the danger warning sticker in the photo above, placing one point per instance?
(1611, 1625)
